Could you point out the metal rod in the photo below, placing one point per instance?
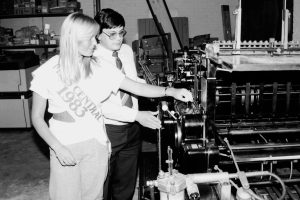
(257, 93)
(238, 25)
(159, 28)
(297, 189)
(273, 158)
(233, 157)
(159, 149)
(204, 118)
(255, 132)
(260, 122)
(98, 6)
(170, 160)
(233, 98)
(263, 146)
(173, 25)
(288, 97)
(274, 99)
(291, 171)
(247, 98)
(159, 138)
(272, 182)
(196, 82)
(271, 193)
(285, 25)
(290, 194)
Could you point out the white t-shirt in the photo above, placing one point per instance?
(96, 89)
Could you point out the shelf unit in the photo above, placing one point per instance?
(28, 46)
(38, 15)
(34, 15)
(15, 104)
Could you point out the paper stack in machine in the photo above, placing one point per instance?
(15, 96)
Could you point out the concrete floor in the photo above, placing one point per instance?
(24, 166)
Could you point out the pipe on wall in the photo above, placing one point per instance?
(97, 5)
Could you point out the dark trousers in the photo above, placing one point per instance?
(126, 144)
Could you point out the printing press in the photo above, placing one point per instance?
(239, 138)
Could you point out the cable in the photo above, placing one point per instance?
(23, 98)
(266, 173)
(292, 168)
(282, 184)
(263, 173)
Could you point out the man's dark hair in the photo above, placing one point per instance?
(108, 18)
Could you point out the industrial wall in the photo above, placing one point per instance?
(296, 34)
(204, 16)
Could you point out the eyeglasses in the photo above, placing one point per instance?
(113, 35)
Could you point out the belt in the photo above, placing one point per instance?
(63, 116)
(129, 124)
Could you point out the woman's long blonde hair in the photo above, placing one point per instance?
(75, 27)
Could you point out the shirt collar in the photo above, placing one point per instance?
(104, 51)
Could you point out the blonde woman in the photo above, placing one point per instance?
(74, 85)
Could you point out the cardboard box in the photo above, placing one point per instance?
(53, 3)
(62, 3)
(15, 72)
(15, 109)
(45, 6)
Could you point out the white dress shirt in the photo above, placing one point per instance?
(112, 108)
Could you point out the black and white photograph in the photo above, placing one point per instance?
(149, 100)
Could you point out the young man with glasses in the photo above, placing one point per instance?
(125, 133)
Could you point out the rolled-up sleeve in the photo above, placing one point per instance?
(40, 83)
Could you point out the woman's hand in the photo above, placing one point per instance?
(65, 156)
(180, 94)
